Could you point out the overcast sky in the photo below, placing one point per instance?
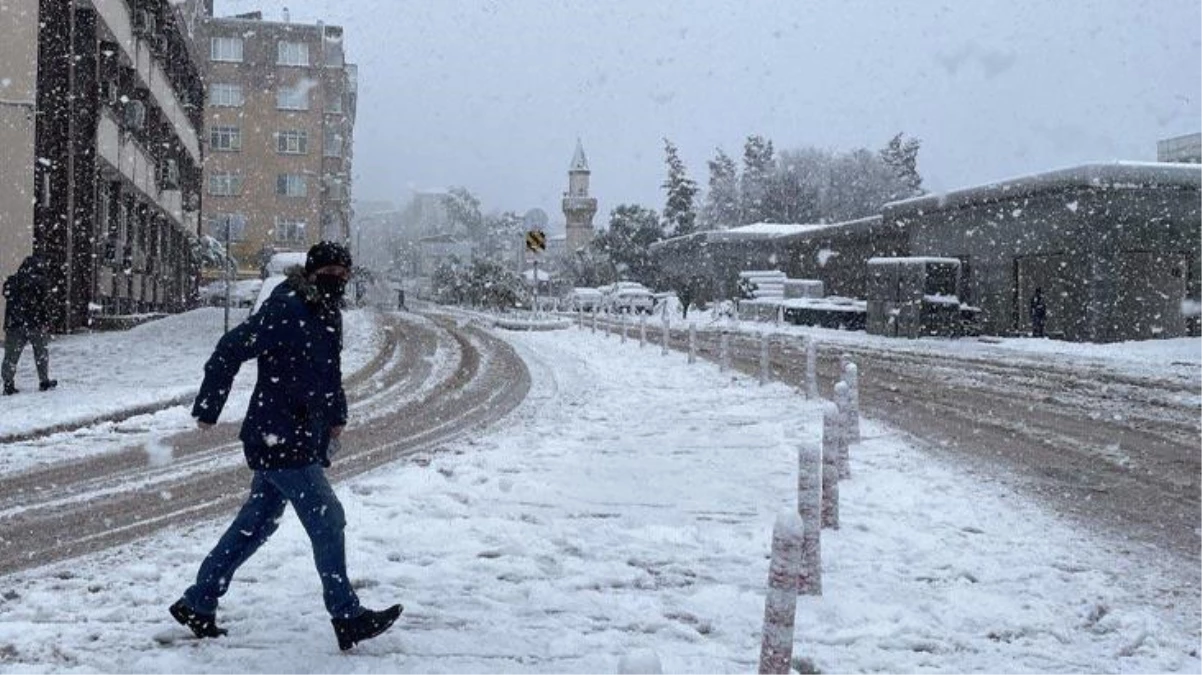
(492, 95)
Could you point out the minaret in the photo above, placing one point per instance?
(578, 207)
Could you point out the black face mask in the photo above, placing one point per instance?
(330, 288)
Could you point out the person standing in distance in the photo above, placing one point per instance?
(296, 414)
(27, 321)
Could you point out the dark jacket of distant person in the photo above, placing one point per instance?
(27, 296)
(298, 396)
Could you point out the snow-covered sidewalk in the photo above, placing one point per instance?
(628, 504)
(105, 374)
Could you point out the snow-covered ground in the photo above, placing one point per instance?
(104, 374)
(628, 505)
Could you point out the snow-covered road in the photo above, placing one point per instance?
(627, 504)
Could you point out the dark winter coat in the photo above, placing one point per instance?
(27, 297)
(298, 396)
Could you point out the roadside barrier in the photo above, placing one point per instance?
(780, 606)
(809, 508)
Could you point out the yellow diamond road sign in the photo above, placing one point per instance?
(536, 241)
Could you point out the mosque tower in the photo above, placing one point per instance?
(578, 207)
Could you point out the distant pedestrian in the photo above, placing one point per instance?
(27, 321)
(292, 427)
(1039, 313)
(400, 299)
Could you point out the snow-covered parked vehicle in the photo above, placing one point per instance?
(627, 297)
(583, 300)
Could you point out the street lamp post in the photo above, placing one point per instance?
(227, 218)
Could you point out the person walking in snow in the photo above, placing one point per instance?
(297, 413)
(27, 321)
(1039, 313)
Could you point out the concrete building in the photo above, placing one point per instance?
(101, 112)
(280, 117)
(578, 207)
(1114, 247)
(1186, 149)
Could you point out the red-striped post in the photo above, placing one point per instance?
(780, 606)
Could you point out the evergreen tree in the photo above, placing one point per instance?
(463, 211)
(680, 213)
(721, 210)
(632, 230)
(901, 155)
(757, 169)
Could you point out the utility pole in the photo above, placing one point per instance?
(228, 259)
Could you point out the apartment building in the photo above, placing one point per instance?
(280, 117)
(101, 111)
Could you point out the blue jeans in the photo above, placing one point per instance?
(322, 517)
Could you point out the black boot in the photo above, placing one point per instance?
(367, 625)
(47, 385)
(202, 625)
(10, 389)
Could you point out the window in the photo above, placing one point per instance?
(334, 104)
(226, 95)
(292, 142)
(333, 145)
(225, 49)
(331, 229)
(292, 98)
(289, 231)
(293, 54)
(225, 139)
(291, 185)
(235, 221)
(225, 184)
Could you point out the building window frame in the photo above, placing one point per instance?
(291, 185)
(292, 142)
(332, 144)
(215, 225)
(225, 49)
(292, 97)
(289, 230)
(225, 138)
(225, 184)
(289, 53)
(226, 95)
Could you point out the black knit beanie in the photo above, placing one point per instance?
(327, 253)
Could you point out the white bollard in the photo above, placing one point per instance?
(640, 662)
(830, 466)
(642, 331)
(851, 375)
(843, 403)
(725, 351)
(663, 342)
(811, 369)
(780, 606)
(594, 322)
(625, 326)
(692, 343)
(809, 507)
(764, 344)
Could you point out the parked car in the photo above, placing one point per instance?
(628, 297)
(242, 293)
(583, 300)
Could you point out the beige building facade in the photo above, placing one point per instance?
(18, 92)
(280, 116)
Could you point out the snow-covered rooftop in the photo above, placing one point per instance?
(1123, 175)
(579, 161)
